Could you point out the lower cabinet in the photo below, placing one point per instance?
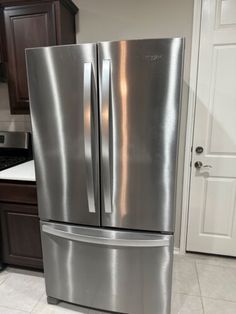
(20, 228)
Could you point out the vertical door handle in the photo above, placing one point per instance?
(87, 103)
(105, 126)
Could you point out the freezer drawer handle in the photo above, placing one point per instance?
(88, 136)
(106, 136)
(106, 241)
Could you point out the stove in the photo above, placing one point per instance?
(10, 161)
(15, 148)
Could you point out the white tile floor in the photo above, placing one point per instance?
(201, 284)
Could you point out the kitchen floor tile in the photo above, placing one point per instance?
(186, 304)
(21, 290)
(44, 308)
(13, 270)
(212, 306)
(186, 257)
(217, 281)
(3, 276)
(185, 278)
(206, 259)
(217, 261)
(5, 310)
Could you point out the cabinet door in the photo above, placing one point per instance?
(26, 26)
(21, 235)
(2, 49)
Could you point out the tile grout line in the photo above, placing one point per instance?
(40, 298)
(217, 299)
(233, 268)
(192, 262)
(16, 308)
(195, 265)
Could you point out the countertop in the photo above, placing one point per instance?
(22, 172)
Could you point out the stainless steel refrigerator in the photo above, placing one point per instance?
(105, 121)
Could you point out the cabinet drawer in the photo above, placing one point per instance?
(18, 193)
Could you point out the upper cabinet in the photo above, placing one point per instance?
(2, 50)
(30, 24)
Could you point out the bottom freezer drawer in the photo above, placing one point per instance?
(124, 272)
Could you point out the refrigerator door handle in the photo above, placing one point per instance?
(105, 126)
(88, 136)
(122, 242)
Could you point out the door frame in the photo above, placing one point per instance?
(192, 96)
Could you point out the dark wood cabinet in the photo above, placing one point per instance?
(3, 74)
(20, 228)
(2, 42)
(26, 26)
(32, 24)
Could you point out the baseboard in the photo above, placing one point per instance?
(176, 250)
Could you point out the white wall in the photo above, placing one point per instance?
(126, 19)
(10, 122)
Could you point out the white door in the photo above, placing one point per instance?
(212, 211)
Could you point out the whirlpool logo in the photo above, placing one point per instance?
(153, 58)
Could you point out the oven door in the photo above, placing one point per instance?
(125, 272)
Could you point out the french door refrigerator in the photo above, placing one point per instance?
(105, 120)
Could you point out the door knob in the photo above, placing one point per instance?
(199, 149)
(199, 165)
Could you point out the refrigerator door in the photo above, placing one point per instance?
(140, 88)
(63, 104)
(124, 272)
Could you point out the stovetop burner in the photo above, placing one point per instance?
(10, 161)
(15, 148)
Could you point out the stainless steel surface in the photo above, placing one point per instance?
(134, 280)
(105, 133)
(88, 135)
(116, 238)
(19, 140)
(139, 89)
(139, 119)
(61, 137)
